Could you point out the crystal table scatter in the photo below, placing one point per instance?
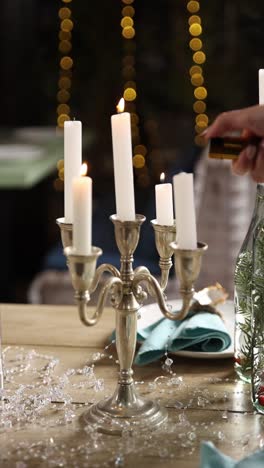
(127, 295)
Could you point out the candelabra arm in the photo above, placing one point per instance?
(156, 288)
(139, 293)
(104, 268)
(82, 298)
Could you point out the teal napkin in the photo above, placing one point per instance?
(210, 457)
(200, 332)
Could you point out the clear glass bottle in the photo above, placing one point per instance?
(258, 318)
(243, 289)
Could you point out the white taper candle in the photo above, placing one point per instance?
(186, 236)
(82, 214)
(72, 162)
(123, 166)
(164, 204)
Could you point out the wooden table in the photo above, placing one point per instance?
(218, 406)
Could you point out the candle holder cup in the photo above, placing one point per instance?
(127, 294)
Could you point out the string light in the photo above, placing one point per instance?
(196, 70)
(130, 90)
(64, 82)
(66, 63)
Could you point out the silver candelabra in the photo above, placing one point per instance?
(127, 294)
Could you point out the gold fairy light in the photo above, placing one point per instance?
(63, 96)
(126, 21)
(196, 70)
(195, 44)
(199, 107)
(66, 25)
(200, 92)
(193, 6)
(199, 57)
(65, 76)
(194, 19)
(64, 13)
(128, 11)
(66, 63)
(195, 29)
(197, 79)
(138, 161)
(128, 31)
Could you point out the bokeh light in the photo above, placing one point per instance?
(126, 21)
(194, 19)
(193, 6)
(199, 57)
(130, 84)
(128, 2)
(130, 94)
(197, 79)
(128, 32)
(64, 83)
(61, 173)
(140, 149)
(196, 69)
(199, 107)
(65, 47)
(195, 44)
(134, 118)
(65, 35)
(64, 13)
(201, 118)
(128, 11)
(63, 109)
(66, 25)
(138, 161)
(195, 29)
(60, 164)
(58, 185)
(63, 96)
(200, 93)
(66, 63)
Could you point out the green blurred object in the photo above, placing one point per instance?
(25, 171)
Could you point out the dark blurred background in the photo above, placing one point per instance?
(157, 60)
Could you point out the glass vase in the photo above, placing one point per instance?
(243, 290)
(258, 319)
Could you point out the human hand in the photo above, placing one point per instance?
(250, 122)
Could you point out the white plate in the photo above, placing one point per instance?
(151, 313)
(20, 152)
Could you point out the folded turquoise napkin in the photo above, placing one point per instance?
(210, 457)
(200, 332)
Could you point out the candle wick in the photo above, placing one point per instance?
(73, 118)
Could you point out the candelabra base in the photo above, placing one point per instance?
(125, 410)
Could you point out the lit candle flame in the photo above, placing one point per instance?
(120, 106)
(84, 169)
(162, 176)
